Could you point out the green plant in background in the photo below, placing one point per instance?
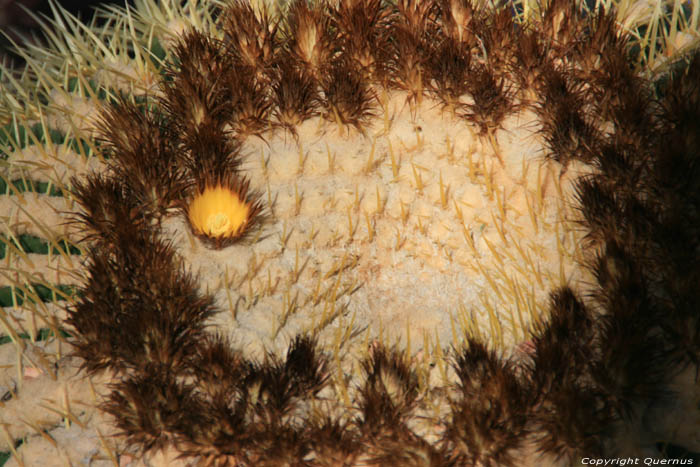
(190, 88)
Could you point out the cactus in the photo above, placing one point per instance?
(353, 233)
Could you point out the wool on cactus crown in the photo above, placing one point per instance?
(465, 234)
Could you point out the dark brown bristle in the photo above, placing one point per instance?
(679, 117)
(566, 127)
(631, 327)
(449, 69)
(251, 101)
(199, 55)
(409, 63)
(498, 33)
(598, 207)
(400, 446)
(622, 156)
(142, 152)
(414, 23)
(490, 413)
(210, 151)
(283, 445)
(224, 442)
(362, 27)
(389, 393)
(251, 36)
(348, 99)
(273, 389)
(139, 307)
(308, 369)
(569, 415)
(600, 40)
(333, 443)
(562, 22)
(571, 327)
(493, 100)
(417, 16)
(601, 205)
(624, 99)
(218, 368)
(309, 38)
(458, 18)
(196, 94)
(296, 96)
(622, 291)
(108, 205)
(93, 318)
(625, 381)
(530, 61)
(675, 180)
(387, 398)
(570, 424)
(153, 410)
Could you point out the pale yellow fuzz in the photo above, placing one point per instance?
(218, 212)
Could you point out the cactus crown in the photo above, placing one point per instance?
(343, 163)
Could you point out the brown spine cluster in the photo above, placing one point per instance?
(595, 365)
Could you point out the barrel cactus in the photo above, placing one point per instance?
(363, 232)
